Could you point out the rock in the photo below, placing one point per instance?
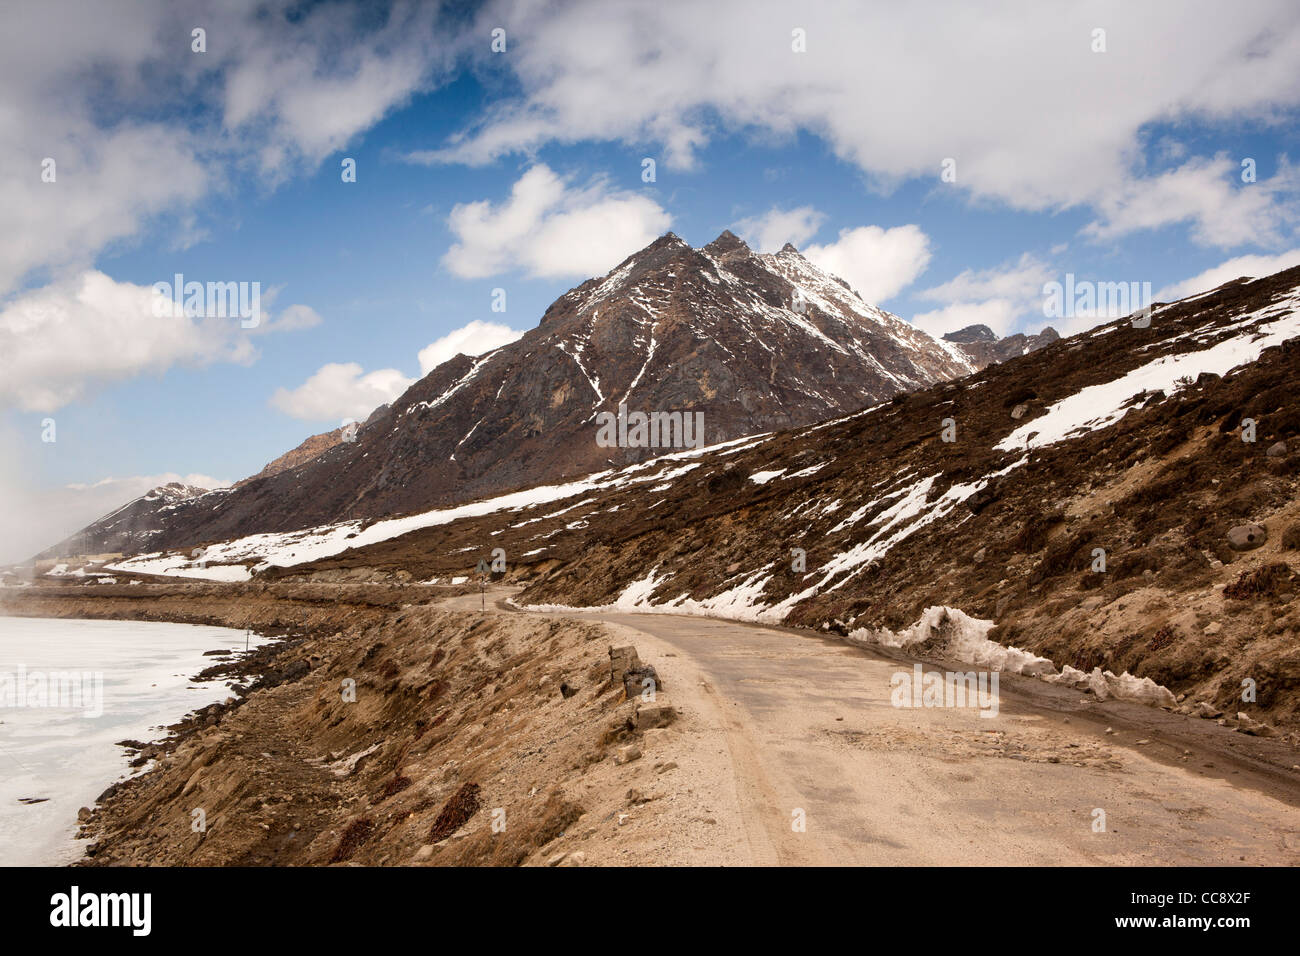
(567, 690)
(639, 679)
(979, 555)
(1247, 537)
(982, 499)
(1277, 450)
(670, 765)
(1208, 711)
(424, 852)
(576, 858)
(296, 671)
(649, 716)
(1019, 412)
(191, 783)
(621, 660)
(627, 754)
(1214, 627)
(1247, 725)
(83, 815)
(1092, 603)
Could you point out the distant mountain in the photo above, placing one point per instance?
(982, 345)
(751, 342)
(133, 527)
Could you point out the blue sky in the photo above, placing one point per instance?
(522, 170)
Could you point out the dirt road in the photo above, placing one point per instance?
(796, 736)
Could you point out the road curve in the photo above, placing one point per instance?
(812, 738)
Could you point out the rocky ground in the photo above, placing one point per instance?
(406, 726)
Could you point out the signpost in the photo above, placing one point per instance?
(483, 572)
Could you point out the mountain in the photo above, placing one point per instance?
(983, 347)
(133, 527)
(1119, 510)
(740, 341)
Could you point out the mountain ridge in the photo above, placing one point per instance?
(752, 341)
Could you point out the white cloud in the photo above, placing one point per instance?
(896, 89)
(1018, 282)
(1207, 194)
(62, 341)
(998, 314)
(876, 262)
(774, 228)
(308, 87)
(476, 338)
(341, 390)
(85, 85)
(1212, 278)
(548, 228)
(1006, 298)
(293, 318)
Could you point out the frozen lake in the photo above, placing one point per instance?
(69, 690)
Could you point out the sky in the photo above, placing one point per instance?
(947, 159)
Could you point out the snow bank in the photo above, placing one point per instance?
(952, 633)
(1104, 684)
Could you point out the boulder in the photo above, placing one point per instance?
(649, 716)
(621, 660)
(1277, 450)
(639, 679)
(1247, 537)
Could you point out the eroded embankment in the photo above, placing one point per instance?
(382, 734)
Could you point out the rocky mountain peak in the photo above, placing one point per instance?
(972, 333)
(726, 244)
